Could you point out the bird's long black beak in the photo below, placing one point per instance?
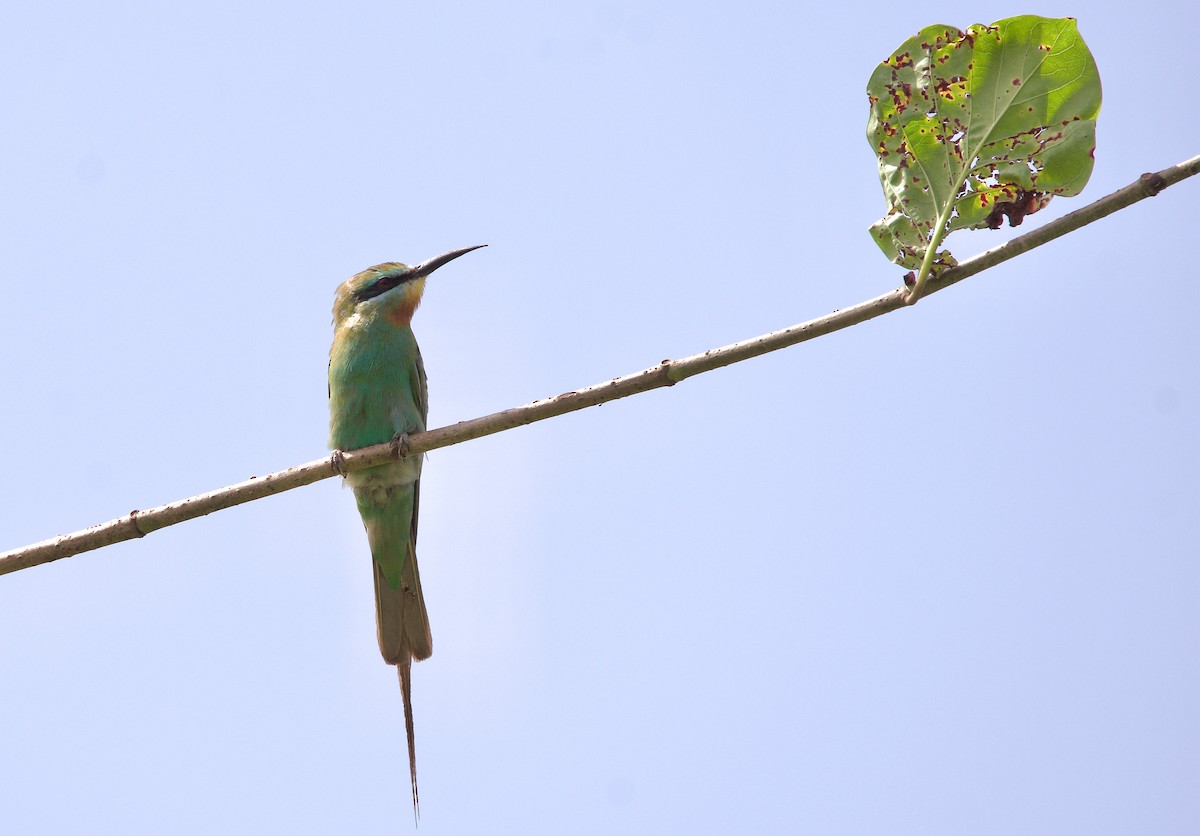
(430, 264)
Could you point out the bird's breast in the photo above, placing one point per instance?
(373, 385)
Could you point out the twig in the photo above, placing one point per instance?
(669, 372)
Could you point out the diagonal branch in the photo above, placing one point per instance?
(669, 372)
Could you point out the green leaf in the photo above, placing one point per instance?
(973, 127)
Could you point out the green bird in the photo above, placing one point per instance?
(377, 392)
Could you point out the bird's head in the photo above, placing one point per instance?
(390, 289)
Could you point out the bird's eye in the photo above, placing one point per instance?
(367, 292)
(380, 286)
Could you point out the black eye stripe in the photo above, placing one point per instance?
(381, 286)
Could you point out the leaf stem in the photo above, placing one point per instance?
(939, 234)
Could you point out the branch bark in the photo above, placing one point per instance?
(668, 373)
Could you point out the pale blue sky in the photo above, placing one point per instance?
(936, 574)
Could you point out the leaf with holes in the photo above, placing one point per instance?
(977, 126)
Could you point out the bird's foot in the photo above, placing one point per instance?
(337, 461)
(400, 446)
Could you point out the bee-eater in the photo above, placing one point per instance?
(377, 392)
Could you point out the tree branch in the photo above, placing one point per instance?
(668, 373)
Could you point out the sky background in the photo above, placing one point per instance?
(935, 574)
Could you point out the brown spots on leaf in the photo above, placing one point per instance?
(1016, 82)
(948, 88)
(901, 93)
(1023, 203)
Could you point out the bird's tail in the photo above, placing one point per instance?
(404, 669)
(403, 627)
(401, 618)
